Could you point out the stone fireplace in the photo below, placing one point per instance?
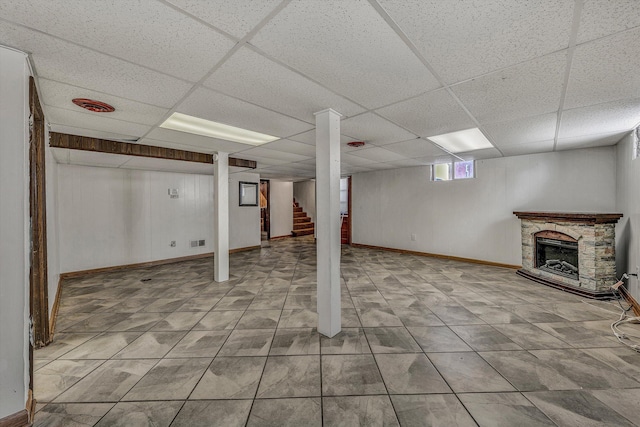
(571, 251)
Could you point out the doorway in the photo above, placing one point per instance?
(265, 213)
(345, 211)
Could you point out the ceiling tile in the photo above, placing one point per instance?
(431, 114)
(464, 39)
(273, 154)
(415, 148)
(348, 159)
(310, 138)
(91, 133)
(430, 160)
(522, 131)
(589, 141)
(408, 163)
(605, 70)
(528, 89)
(236, 17)
(65, 62)
(196, 142)
(166, 41)
(58, 94)
(374, 130)
(289, 146)
(602, 18)
(94, 121)
(528, 148)
(613, 117)
(378, 154)
(254, 78)
(210, 105)
(486, 153)
(348, 47)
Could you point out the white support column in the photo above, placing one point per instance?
(221, 217)
(328, 220)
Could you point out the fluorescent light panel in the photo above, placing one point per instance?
(190, 124)
(461, 141)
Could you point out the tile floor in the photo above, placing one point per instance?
(424, 342)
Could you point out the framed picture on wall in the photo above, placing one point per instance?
(248, 193)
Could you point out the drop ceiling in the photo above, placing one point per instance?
(534, 77)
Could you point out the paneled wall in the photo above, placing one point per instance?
(473, 218)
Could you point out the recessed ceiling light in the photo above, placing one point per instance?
(190, 124)
(463, 140)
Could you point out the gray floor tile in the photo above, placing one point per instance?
(410, 374)
(230, 378)
(391, 340)
(141, 414)
(295, 341)
(530, 337)
(375, 317)
(179, 321)
(438, 339)
(151, 345)
(348, 341)
(59, 375)
(625, 402)
(290, 376)
(199, 344)
(102, 346)
(286, 412)
(71, 414)
(484, 338)
(248, 342)
(503, 410)
(431, 410)
(259, 319)
(217, 320)
(170, 379)
(351, 375)
(359, 411)
(228, 413)
(468, 372)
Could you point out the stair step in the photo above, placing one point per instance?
(302, 225)
(297, 209)
(305, 232)
(299, 215)
(301, 219)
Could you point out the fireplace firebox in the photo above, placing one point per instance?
(557, 257)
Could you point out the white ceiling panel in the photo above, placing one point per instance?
(348, 159)
(528, 89)
(605, 70)
(148, 163)
(273, 154)
(65, 62)
(379, 166)
(252, 77)
(210, 105)
(415, 148)
(487, 153)
(236, 17)
(529, 148)
(378, 154)
(601, 18)
(310, 138)
(408, 163)
(97, 121)
(92, 158)
(60, 95)
(464, 39)
(348, 47)
(289, 146)
(165, 42)
(201, 143)
(348, 170)
(588, 141)
(374, 130)
(430, 114)
(613, 117)
(430, 160)
(523, 131)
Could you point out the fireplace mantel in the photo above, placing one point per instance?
(578, 217)
(595, 235)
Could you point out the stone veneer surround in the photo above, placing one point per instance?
(595, 234)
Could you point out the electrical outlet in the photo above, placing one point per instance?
(173, 244)
(414, 237)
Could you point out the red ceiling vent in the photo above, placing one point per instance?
(355, 143)
(95, 106)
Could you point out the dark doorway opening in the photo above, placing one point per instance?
(265, 212)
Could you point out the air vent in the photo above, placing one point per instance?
(93, 105)
(356, 144)
(200, 242)
(194, 243)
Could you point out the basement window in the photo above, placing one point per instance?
(455, 170)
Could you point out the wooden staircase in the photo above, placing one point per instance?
(302, 225)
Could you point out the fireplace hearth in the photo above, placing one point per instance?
(571, 251)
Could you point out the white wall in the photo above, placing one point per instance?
(51, 184)
(280, 199)
(628, 203)
(474, 218)
(14, 232)
(244, 221)
(305, 194)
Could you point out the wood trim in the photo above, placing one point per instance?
(82, 273)
(247, 248)
(448, 257)
(581, 218)
(242, 163)
(38, 277)
(555, 235)
(31, 406)
(54, 310)
(19, 419)
(350, 225)
(74, 142)
(284, 236)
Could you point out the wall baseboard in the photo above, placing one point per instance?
(448, 257)
(82, 273)
(19, 419)
(54, 310)
(247, 248)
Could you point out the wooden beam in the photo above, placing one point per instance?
(74, 142)
(242, 163)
